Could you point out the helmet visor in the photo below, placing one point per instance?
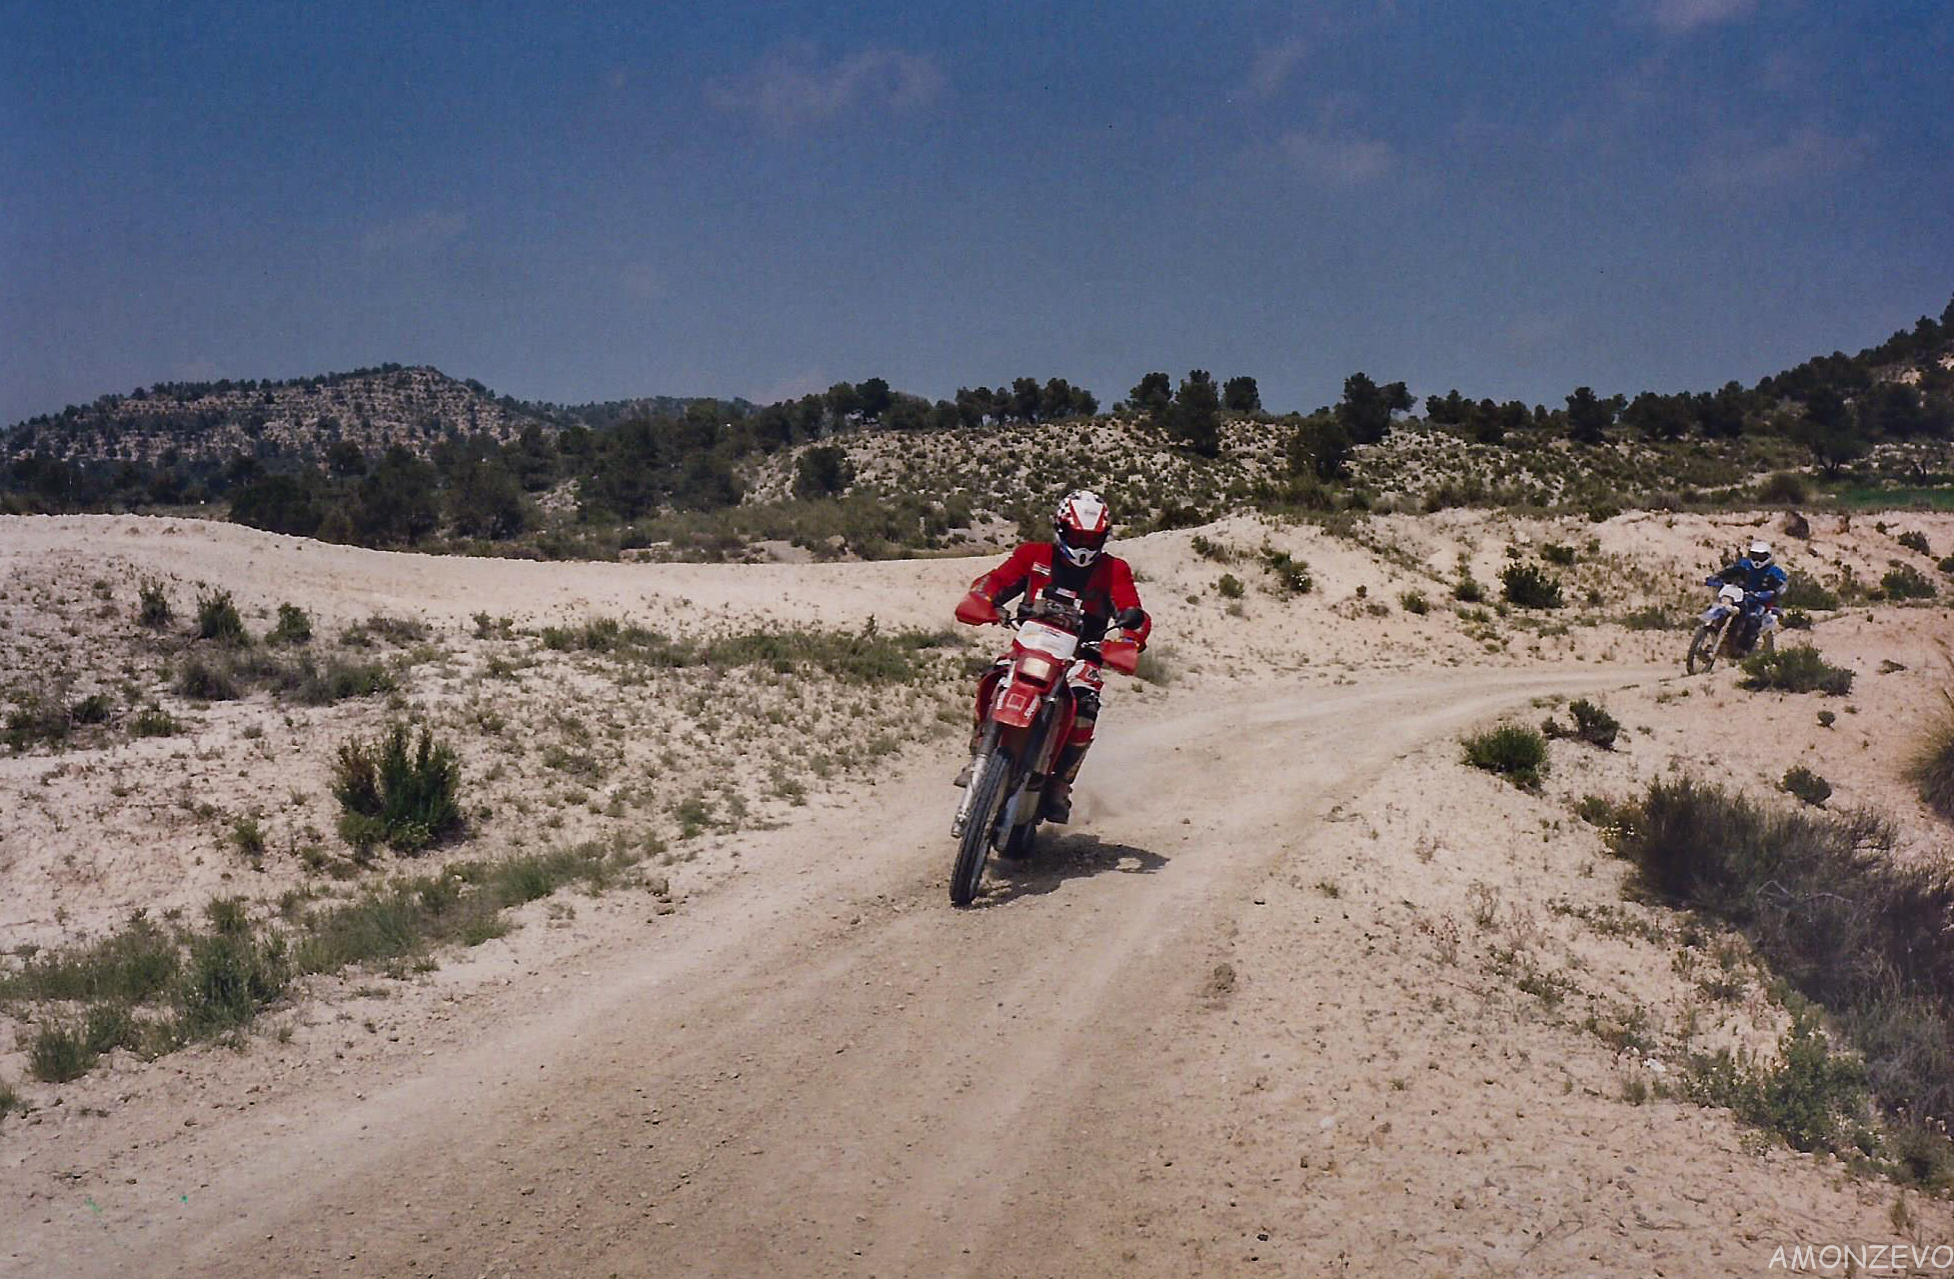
(1080, 540)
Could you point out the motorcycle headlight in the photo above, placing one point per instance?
(1038, 668)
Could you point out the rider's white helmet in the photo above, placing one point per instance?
(1759, 553)
(1080, 526)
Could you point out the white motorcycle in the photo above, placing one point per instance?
(1721, 631)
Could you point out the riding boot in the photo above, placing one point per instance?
(1057, 805)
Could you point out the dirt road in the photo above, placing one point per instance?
(825, 1070)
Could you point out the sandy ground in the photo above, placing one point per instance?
(1254, 1013)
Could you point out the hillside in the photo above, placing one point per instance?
(298, 420)
(294, 421)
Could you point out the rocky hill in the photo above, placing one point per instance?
(372, 408)
(300, 418)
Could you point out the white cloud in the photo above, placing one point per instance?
(1335, 158)
(427, 229)
(1272, 66)
(1677, 16)
(792, 87)
(1810, 152)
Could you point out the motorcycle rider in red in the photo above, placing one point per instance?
(1072, 569)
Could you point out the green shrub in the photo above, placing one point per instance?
(218, 619)
(1786, 488)
(338, 680)
(1208, 549)
(93, 709)
(1291, 574)
(9, 1099)
(1513, 751)
(1947, 564)
(1797, 619)
(1807, 592)
(1556, 553)
(1807, 786)
(231, 974)
(1905, 582)
(59, 1052)
(1648, 619)
(1230, 587)
(153, 610)
(109, 1026)
(209, 679)
(1468, 591)
(1931, 770)
(36, 719)
(1824, 902)
(248, 837)
(132, 965)
(396, 790)
(1415, 602)
(294, 627)
(1813, 1097)
(153, 721)
(1795, 670)
(1529, 586)
(1596, 810)
(1594, 725)
(1915, 540)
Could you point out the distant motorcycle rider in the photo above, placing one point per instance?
(1763, 582)
(1073, 571)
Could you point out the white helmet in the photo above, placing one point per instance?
(1759, 553)
(1080, 526)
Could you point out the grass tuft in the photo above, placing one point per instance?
(1795, 670)
(1808, 786)
(1529, 586)
(218, 619)
(1514, 751)
(1931, 769)
(397, 791)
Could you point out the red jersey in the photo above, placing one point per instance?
(1104, 587)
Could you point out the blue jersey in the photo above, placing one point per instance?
(1765, 581)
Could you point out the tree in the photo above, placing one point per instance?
(1659, 417)
(843, 400)
(1153, 393)
(1366, 407)
(486, 501)
(1721, 413)
(278, 504)
(1055, 400)
(1194, 418)
(1319, 446)
(1025, 397)
(974, 406)
(1453, 410)
(343, 458)
(823, 471)
(1588, 417)
(1833, 442)
(1241, 395)
(873, 397)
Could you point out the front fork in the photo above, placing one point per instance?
(981, 761)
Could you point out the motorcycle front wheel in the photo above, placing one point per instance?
(974, 846)
(1703, 648)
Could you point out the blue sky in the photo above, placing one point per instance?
(761, 199)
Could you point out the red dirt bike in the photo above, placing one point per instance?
(1029, 718)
